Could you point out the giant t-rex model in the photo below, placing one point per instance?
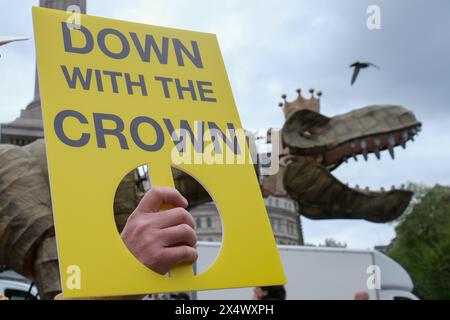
(314, 145)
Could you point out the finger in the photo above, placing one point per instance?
(181, 234)
(156, 197)
(173, 217)
(176, 255)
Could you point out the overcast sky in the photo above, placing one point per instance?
(272, 47)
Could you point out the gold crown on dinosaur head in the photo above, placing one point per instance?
(313, 103)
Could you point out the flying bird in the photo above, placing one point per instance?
(358, 66)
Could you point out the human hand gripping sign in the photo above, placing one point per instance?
(161, 239)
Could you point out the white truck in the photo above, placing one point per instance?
(322, 273)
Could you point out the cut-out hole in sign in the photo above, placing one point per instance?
(206, 214)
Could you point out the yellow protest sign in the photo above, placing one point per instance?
(117, 95)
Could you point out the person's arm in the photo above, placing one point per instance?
(159, 239)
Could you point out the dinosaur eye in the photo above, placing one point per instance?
(307, 134)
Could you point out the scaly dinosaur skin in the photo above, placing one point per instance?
(25, 211)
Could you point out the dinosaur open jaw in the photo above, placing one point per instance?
(321, 195)
(374, 144)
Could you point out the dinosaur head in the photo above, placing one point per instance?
(318, 144)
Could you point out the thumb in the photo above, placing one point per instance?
(158, 198)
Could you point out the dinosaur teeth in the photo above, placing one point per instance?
(364, 148)
(377, 141)
(405, 138)
(405, 135)
(412, 134)
(363, 144)
(391, 140)
(377, 153)
(391, 152)
(353, 147)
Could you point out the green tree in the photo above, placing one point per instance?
(422, 245)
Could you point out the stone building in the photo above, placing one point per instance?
(284, 218)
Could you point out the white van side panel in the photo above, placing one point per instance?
(312, 273)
